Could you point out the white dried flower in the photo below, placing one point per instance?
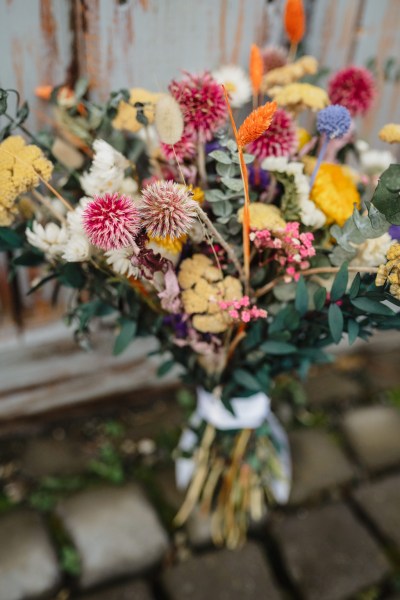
(236, 82)
(77, 249)
(169, 120)
(51, 238)
(374, 162)
(120, 261)
(107, 171)
(372, 252)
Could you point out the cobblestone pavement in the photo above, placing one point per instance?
(337, 539)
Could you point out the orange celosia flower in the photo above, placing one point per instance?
(43, 92)
(295, 23)
(256, 123)
(256, 68)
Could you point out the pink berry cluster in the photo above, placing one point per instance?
(241, 310)
(292, 248)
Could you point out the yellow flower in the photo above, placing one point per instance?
(299, 96)
(203, 287)
(21, 168)
(264, 216)
(173, 246)
(390, 133)
(198, 194)
(307, 65)
(303, 137)
(334, 193)
(126, 117)
(390, 272)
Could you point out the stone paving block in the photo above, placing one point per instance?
(331, 387)
(115, 531)
(374, 435)
(28, 563)
(223, 575)
(134, 590)
(318, 464)
(43, 457)
(381, 501)
(329, 554)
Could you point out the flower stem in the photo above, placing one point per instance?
(246, 220)
(201, 164)
(314, 271)
(46, 202)
(321, 155)
(215, 233)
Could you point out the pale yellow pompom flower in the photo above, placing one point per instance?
(264, 216)
(390, 133)
(140, 100)
(299, 96)
(306, 65)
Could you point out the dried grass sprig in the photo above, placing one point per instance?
(256, 123)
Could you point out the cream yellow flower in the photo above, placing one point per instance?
(204, 287)
(303, 137)
(140, 99)
(335, 193)
(390, 133)
(390, 272)
(264, 216)
(21, 168)
(299, 96)
(306, 65)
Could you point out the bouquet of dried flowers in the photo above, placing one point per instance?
(246, 250)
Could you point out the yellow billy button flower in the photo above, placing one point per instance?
(335, 193)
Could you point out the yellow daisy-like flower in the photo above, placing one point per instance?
(140, 100)
(390, 133)
(173, 246)
(335, 193)
(306, 65)
(263, 216)
(303, 137)
(299, 96)
(203, 287)
(21, 168)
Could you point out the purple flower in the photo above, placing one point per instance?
(394, 232)
(258, 178)
(334, 121)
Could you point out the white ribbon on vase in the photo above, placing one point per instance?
(249, 413)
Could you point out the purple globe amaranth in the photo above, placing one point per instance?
(334, 121)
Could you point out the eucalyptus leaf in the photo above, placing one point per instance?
(125, 336)
(221, 157)
(340, 283)
(386, 197)
(372, 306)
(277, 348)
(353, 329)
(247, 380)
(301, 300)
(233, 184)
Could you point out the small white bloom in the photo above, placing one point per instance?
(310, 214)
(120, 261)
(372, 252)
(107, 171)
(77, 249)
(362, 146)
(374, 162)
(51, 238)
(236, 82)
(128, 186)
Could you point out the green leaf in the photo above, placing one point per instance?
(236, 185)
(22, 113)
(248, 158)
(336, 322)
(247, 380)
(226, 170)
(11, 238)
(386, 197)
(353, 329)
(277, 348)
(221, 157)
(81, 87)
(301, 300)
(320, 298)
(165, 367)
(222, 209)
(3, 101)
(340, 283)
(72, 275)
(29, 259)
(355, 286)
(215, 195)
(372, 306)
(125, 336)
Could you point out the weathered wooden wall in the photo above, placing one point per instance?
(147, 42)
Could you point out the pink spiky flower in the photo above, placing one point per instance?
(167, 209)
(354, 88)
(280, 139)
(111, 221)
(202, 102)
(184, 148)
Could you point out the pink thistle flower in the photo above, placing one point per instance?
(280, 139)
(202, 102)
(273, 57)
(111, 221)
(185, 148)
(167, 210)
(354, 88)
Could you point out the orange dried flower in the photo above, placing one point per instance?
(256, 123)
(256, 68)
(43, 92)
(295, 22)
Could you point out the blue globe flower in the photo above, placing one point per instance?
(334, 121)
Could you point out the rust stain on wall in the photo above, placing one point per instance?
(222, 31)
(18, 64)
(326, 33)
(48, 28)
(144, 4)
